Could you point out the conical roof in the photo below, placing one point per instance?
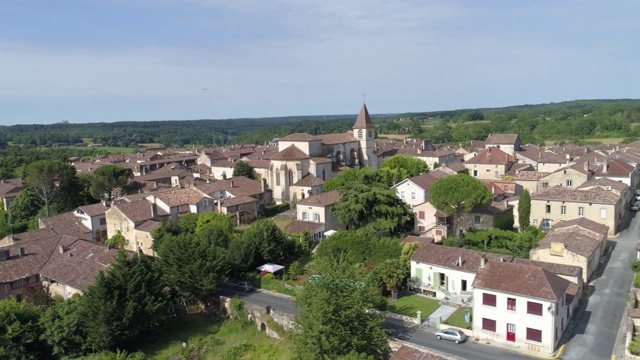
(364, 120)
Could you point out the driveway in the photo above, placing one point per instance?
(596, 331)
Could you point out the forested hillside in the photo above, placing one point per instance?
(574, 121)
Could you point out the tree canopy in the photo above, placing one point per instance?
(108, 180)
(335, 319)
(400, 167)
(524, 210)
(241, 168)
(44, 178)
(457, 194)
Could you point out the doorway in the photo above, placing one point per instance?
(511, 332)
(464, 285)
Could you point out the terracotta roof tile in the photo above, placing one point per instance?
(66, 223)
(238, 201)
(309, 180)
(38, 246)
(177, 197)
(598, 196)
(449, 257)
(493, 156)
(94, 209)
(290, 153)
(410, 353)
(364, 120)
(526, 280)
(324, 199)
(236, 186)
(558, 269)
(298, 226)
(615, 168)
(298, 137)
(501, 139)
(339, 138)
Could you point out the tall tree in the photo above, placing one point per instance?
(193, 266)
(125, 300)
(457, 194)
(241, 168)
(361, 204)
(269, 242)
(44, 178)
(400, 167)
(393, 274)
(64, 329)
(23, 211)
(524, 210)
(365, 175)
(335, 318)
(20, 331)
(108, 180)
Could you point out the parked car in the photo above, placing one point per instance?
(245, 286)
(454, 335)
(637, 194)
(635, 206)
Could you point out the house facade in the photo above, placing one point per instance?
(317, 209)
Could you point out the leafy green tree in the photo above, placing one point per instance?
(188, 223)
(406, 166)
(125, 301)
(166, 231)
(20, 331)
(118, 240)
(296, 269)
(241, 168)
(5, 227)
(356, 247)
(524, 210)
(108, 181)
(218, 220)
(335, 318)
(393, 273)
(457, 194)
(241, 255)
(269, 242)
(361, 204)
(192, 266)
(64, 328)
(23, 211)
(44, 178)
(365, 175)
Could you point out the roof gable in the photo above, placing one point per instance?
(364, 120)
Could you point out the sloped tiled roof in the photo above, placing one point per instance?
(598, 196)
(236, 186)
(320, 160)
(531, 175)
(501, 139)
(238, 201)
(136, 211)
(559, 269)
(177, 197)
(66, 223)
(79, 264)
(324, 199)
(38, 246)
(299, 137)
(364, 120)
(493, 156)
(604, 183)
(309, 180)
(449, 257)
(526, 280)
(10, 187)
(290, 153)
(298, 226)
(339, 138)
(585, 224)
(94, 209)
(426, 181)
(410, 353)
(615, 168)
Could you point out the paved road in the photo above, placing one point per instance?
(398, 329)
(596, 331)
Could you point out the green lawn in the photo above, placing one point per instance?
(215, 338)
(457, 318)
(409, 305)
(281, 222)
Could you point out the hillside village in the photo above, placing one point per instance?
(580, 196)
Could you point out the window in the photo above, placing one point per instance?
(316, 217)
(488, 324)
(475, 173)
(476, 219)
(563, 210)
(535, 221)
(488, 299)
(277, 177)
(581, 211)
(547, 209)
(534, 335)
(511, 304)
(421, 228)
(545, 184)
(304, 215)
(569, 183)
(19, 283)
(370, 134)
(603, 213)
(421, 215)
(505, 187)
(205, 202)
(103, 221)
(534, 308)
(496, 174)
(402, 194)
(359, 133)
(413, 196)
(290, 177)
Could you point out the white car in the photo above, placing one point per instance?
(635, 206)
(454, 335)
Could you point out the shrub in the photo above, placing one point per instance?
(237, 310)
(272, 210)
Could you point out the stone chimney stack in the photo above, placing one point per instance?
(605, 167)
(61, 249)
(21, 251)
(483, 261)
(154, 210)
(586, 166)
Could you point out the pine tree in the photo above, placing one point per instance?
(524, 210)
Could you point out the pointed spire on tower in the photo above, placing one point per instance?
(364, 120)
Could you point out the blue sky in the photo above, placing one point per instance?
(136, 60)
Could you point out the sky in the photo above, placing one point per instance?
(138, 60)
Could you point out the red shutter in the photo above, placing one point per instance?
(534, 308)
(488, 324)
(511, 304)
(421, 215)
(534, 335)
(488, 299)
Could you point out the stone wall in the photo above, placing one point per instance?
(263, 317)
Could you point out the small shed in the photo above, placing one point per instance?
(269, 268)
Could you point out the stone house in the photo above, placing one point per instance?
(509, 143)
(491, 163)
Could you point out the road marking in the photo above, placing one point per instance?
(547, 357)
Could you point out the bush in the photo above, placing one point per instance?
(237, 310)
(272, 210)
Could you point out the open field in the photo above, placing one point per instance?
(395, 136)
(109, 149)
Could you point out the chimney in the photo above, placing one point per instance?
(61, 249)
(501, 259)
(231, 183)
(154, 210)
(483, 261)
(21, 251)
(604, 166)
(459, 260)
(586, 166)
(220, 206)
